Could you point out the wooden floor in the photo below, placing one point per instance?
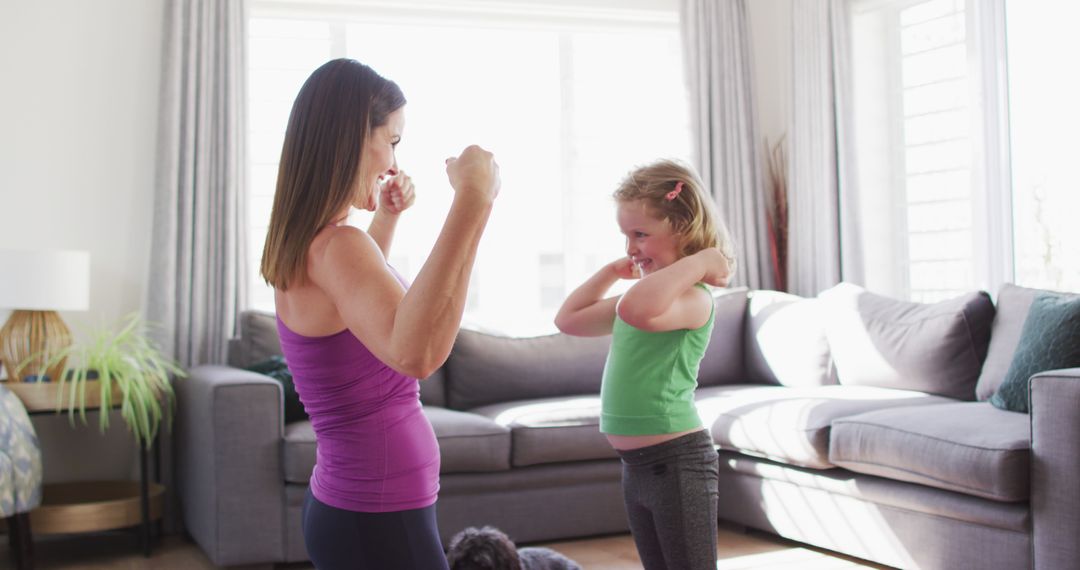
(738, 550)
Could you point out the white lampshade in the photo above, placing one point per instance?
(45, 280)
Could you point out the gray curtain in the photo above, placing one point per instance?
(822, 197)
(197, 269)
(716, 43)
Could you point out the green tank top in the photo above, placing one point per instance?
(649, 379)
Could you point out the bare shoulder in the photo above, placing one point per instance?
(341, 248)
(341, 240)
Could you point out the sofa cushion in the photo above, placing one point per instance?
(1050, 341)
(433, 389)
(552, 430)
(723, 360)
(968, 447)
(467, 443)
(936, 348)
(791, 425)
(786, 342)
(486, 369)
(299, 451)
(259, 341)
(1013, 304)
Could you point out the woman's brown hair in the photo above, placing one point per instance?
(687, 208)
(339, 104)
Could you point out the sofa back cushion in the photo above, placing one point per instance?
(936, 348)
(1013, 304)
(1050, 340)
(258, 339)
(723, 360)
(258, 342)
(487, 369)
(786, 342)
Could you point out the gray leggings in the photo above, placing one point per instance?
(670, 494)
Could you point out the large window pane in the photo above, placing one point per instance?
(567, 110)
(507, 100)
(913, 65)
(1044, 122)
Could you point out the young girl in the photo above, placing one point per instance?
(660, 328)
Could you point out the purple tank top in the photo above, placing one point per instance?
(376, 451)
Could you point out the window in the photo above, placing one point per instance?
(568, 100)
(1044, 122)
(966, 143)
(916, 70)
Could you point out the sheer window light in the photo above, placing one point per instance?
(1044, 120)
(914, 104)
(569, 103)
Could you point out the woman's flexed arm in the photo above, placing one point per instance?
(413, 331)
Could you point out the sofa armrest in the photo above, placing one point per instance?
(1055, 464)
(229, 460)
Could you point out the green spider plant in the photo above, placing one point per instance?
(128, 359)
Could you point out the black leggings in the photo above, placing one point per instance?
(337, 539)
(670, 490)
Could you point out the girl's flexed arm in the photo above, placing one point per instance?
(586, 312)
(666, 300)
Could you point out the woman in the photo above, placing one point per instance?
(356, 337)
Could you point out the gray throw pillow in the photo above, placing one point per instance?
(1050, 340)
(937, 348)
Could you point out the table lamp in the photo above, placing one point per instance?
(37, 284)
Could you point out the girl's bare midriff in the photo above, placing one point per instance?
(628, 442)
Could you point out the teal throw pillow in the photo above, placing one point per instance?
(276, 368)
(1050, 340)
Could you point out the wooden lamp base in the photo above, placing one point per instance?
(32, 337)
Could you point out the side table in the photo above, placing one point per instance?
(89, 506)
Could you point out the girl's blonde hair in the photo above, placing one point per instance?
(690, 211)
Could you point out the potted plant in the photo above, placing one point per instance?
(121, 363)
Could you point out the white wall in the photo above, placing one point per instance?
(78, 123)
(79, 114)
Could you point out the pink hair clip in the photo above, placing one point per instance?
(674, 193)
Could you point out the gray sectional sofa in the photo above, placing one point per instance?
(848, 421)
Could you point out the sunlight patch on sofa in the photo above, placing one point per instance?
(839, 523)
(560, 412)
